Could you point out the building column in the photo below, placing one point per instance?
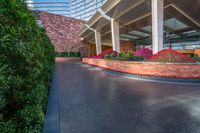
(98, 42)
(157, 25)
(115, 35)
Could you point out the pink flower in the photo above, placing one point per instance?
(144, 52)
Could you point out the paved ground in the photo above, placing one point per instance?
(94, 101)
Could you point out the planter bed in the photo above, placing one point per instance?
(67, 59)
(171, 70)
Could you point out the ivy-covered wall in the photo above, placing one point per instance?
(64, 32)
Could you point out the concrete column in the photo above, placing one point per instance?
(157, 25)
(98, 42)
(115, 35)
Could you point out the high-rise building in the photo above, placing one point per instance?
(60, 7)
(80, 9)
(84, 9)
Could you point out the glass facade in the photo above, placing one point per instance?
(188, 40)
(80, 9)
(84, 9)
(60, 7)
(182, 40)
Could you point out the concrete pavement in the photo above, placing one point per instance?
(93, 101)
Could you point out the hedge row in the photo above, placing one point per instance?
(26, 62)
(68, 54)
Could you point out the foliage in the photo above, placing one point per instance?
(125, 56)
(168, 55)
(138, 58)
(26, 63)
(144, 52)
(121, 56)
(128, 56)
(112, 56)
(196, 58)
(68, 54)
(192, 55)
(107, 57)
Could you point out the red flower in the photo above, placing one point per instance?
(144, 52)
(102, 55)
(169, 55)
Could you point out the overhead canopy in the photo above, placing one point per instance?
(134, 17)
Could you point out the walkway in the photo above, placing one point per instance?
(94, 101)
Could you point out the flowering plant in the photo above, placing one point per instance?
(103, 54)
(125, 56)
(112, 56)
(169, 55)
(144, 52)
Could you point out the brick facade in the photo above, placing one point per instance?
(92, 48)
(190, 51)
(148, 68)
(127, 46)
(124, 46)
(197, 52)
(63, 32)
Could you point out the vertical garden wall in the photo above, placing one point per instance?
(26, 62)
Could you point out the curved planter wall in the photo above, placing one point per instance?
(173, 70)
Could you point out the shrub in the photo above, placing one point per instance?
(121, 56)
(112, 56)
(71, 54)
(128, 56)
(107, 57)
(168, 55)
(68, 54)
(192, 55)
(26, 61)
(144, 52)
(125, 56)
(77, 54)
(196, 58)
(137, 58)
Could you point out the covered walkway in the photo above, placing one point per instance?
(94, 101)
(155, 24)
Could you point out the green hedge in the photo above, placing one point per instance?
(26, 62)
(123, 56)
(196, 58)
(68, 54)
